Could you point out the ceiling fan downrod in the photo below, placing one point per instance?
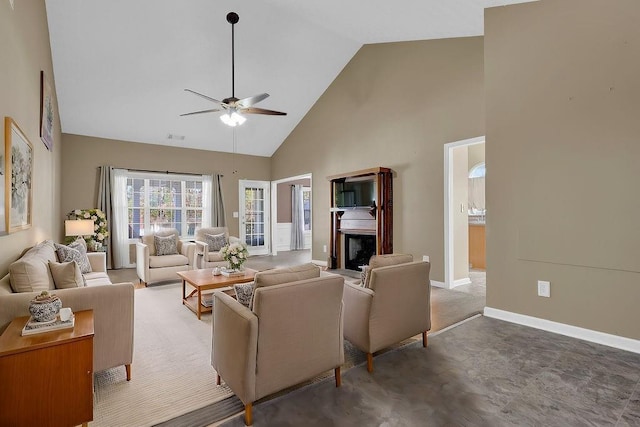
(233, 18)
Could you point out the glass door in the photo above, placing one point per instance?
(254, 216)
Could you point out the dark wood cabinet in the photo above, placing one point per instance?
(361, 207)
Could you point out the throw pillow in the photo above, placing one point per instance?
(66, 275)
(215, 241)
(166, 245)
(76, 251)
(244, 293)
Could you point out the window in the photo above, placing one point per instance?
(306, 206)
(478, 171)
(173, 201)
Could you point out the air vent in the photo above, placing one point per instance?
(176, 137)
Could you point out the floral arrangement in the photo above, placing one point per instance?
(235, 254)
(100, 223)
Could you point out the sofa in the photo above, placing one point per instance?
(112, 304)
(292, 333)
(392, 304)
(153, 266)
(207, 250)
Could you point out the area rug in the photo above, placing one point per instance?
(171, 372)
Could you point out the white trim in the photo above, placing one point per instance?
(461, 282)
(603, 338)
(320, 263)
(448, 211)
(437, 284)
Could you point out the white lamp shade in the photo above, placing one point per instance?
(78, 227)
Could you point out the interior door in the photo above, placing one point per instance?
(254, 216)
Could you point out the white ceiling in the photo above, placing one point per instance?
(121, 66)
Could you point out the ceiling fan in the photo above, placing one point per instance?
(233, 107)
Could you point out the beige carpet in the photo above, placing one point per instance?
(171, 371)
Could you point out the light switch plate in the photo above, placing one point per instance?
(235, 214)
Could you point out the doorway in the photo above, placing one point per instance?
(453, 232)
(281, 217)
(254, 212)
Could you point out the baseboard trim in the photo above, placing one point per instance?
(460, 282)
(320, 263)
(437, 284)
(603, 338)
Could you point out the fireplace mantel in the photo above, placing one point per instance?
(370, 214)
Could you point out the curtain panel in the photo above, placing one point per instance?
(297, 218)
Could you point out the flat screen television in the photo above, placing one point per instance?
(351, 194)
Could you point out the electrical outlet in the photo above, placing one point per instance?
(324, 249)
(544, 288)
(425, 258)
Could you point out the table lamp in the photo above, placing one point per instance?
(78, 227)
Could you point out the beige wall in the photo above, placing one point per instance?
(460, 187)
(563, 97)
(24, 51)
(82, 155)
(394, 105)
(476, 154)
(284, 198)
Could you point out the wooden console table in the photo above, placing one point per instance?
(47, 378)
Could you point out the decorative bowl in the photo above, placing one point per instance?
(45, 307)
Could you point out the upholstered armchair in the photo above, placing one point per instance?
(209, 241)
(392, 304)
(292, 333)
(161, 255)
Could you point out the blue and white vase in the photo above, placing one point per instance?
(45, 307)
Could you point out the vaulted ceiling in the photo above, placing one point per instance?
(121, 66)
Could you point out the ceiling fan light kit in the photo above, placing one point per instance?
(232, 106)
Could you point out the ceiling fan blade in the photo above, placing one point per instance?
(248, 102)
(254, 110)
(204, 96)
(200, 112)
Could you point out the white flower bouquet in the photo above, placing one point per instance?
(235, 254)
(100, 232)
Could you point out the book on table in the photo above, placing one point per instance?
(32, 327)
(232, 273)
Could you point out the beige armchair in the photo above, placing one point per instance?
(293, 333)
(204, 255)
(152, 266)
(393, 304)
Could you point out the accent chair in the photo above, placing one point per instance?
(209, 241)
(392, 304)
(161, 255)
(292, 333)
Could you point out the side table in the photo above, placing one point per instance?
(47, 378)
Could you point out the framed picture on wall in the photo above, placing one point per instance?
(3, 217)
(46, 112)
(18, 173)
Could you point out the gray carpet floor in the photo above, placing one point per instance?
(484, 372)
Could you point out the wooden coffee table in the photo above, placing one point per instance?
(204, 280)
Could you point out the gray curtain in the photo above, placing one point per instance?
(218, 216)
(297, 218)
(104, 204)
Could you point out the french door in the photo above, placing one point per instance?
(254, 212)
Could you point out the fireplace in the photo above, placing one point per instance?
(361, 217)
(358, 248)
